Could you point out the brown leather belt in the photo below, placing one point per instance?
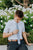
(13, 40)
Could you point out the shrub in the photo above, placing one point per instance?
(31, 1)
(6, 3)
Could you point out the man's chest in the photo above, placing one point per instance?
(13, 27)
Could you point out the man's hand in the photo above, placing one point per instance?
(25, 38)
(29, 44)
(15, 31)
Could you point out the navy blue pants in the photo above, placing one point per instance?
(15, 46)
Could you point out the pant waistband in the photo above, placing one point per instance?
(14, 40)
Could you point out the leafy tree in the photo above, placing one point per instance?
(31, 1)
(7, 3)
(21, 1)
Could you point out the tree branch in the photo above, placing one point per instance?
(20, 3)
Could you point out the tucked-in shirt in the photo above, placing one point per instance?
(11, 26)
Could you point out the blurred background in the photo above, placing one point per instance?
(7, 11)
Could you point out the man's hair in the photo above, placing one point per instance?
(19, 13)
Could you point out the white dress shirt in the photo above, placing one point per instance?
(11, 26)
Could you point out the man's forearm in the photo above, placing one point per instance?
(5, 35)
(25, 37)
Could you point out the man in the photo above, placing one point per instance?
(12, 33)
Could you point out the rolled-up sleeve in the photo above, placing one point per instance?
(6, 29)
(23, 27)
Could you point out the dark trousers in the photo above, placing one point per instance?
(15, 46)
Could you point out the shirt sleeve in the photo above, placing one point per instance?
(6, 29)
(23, 27)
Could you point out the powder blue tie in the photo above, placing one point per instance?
(18, 35)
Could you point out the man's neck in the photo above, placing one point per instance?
(16, 20)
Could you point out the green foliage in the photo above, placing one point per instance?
(2, 23)
(29, 21)
(3, 41)
(31, 1)
(6, 3)
(21, 1)
(30, 38)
